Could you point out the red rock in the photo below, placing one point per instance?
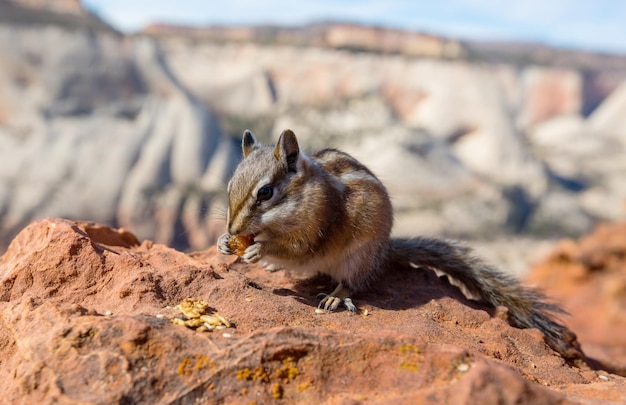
(589, 278)
(419, 342)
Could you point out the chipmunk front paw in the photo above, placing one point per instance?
(223, 246)
(253, 253)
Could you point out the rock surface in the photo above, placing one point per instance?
(589, 278)
(84, 313)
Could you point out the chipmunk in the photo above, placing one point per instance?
(328, 213)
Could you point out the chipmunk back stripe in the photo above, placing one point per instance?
(358, 177)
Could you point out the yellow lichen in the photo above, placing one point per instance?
(89, 333)
(203, 361)
(277, 391)
(185, 366)
(409, 366)
(288, 370)
(244, 374)
(188, 365)
(259, 374)
(196, 318)
(411, 353)
(409, 348)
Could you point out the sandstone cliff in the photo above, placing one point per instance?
(94, 125)
(485, 148)
(353, 37)
(124, 130)
(67, 13)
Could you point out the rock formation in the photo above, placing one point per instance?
(58, 6)
(589, 277)
(124, 130)
(485, 148)
(94, 125)
(84, 315)
(353, 37)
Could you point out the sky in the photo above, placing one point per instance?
(597, 25)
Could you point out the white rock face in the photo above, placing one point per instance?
(94, 126)
(609, 119)
(101, 127)
(465, 149)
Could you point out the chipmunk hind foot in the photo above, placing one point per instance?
(339, 296)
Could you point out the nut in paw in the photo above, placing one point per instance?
(238, 244)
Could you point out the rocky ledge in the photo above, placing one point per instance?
(85, 318)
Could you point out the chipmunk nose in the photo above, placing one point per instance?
(236, 225)
(234, 228)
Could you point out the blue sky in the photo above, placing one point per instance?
(598, 25)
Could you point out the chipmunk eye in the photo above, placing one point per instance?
(265, 193)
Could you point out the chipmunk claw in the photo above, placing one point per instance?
(328, 302)
(332, 301)
(252, 253)
(347, 302)
(222, 244)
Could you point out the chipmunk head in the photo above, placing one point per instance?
(263, 191)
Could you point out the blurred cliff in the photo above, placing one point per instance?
(472, 139)
(478, 140)
(95, 125)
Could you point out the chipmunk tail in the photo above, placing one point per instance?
(528, 307)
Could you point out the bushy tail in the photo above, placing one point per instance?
(528, 308)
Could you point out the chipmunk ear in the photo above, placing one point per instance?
(287, 150)
(248, 143)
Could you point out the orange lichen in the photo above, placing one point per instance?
(203, 361)
(259, 374)
(277, 391)
(409, 366)
(288, 370)
(411, 353)
(188, 365)
(244, 374)
(185, 366)
(409, 348)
